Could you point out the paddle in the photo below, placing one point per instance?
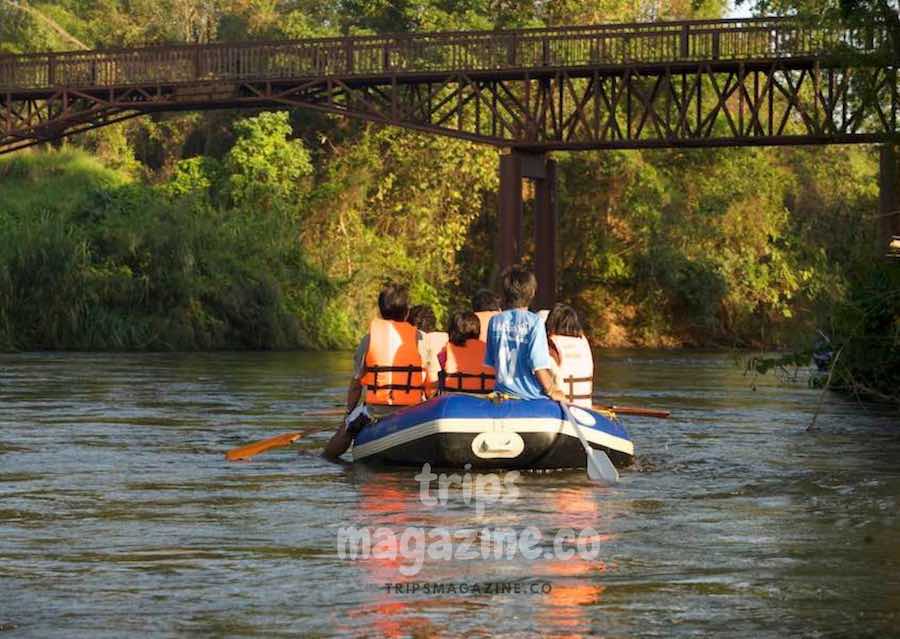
(635, 410)
(250, 450)
(599, 467)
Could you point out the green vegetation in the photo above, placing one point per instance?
(95, 261)
(275, 230)
(866, 330)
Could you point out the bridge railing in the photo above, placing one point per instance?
(472, 51)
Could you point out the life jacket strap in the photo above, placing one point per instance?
(443, 376)
(571, 381)
(407, 387)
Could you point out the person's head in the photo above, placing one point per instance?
(463, 326)
(519, 287)
(563, 320)
(422, 317)
(485, 300)
(393, 302)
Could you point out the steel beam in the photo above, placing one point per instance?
(509, 231)
(888, 205)
(624, 108)
(545, 235)
(514, 167)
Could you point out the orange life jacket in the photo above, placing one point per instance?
(465, 370)
(576, 367)
(393, 374)
(434, 344)
(484, 317)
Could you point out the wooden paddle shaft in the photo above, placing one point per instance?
(635, 410)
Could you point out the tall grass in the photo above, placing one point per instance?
(91, 260)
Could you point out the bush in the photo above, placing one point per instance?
(107, 264)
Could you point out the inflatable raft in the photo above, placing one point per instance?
(453, 430)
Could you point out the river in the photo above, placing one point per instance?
(119, 516)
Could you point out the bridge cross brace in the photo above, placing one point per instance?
(537, 167)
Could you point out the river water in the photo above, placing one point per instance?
(119, 516)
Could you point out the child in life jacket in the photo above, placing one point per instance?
(388, 368)
(573, 363)
(462, 359)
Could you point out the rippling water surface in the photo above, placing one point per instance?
(119, 516)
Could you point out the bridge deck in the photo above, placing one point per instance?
(609, 47)
(697, 83)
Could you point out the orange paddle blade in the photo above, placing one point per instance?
(636, 410)
(248, 451)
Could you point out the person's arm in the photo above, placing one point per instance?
(354, 394)
(490, 350)
(355, 389)
(341, 440)
(545, 379)
(554, 352)
(338, 444)
(542, 363)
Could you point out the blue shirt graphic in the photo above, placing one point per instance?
(516, 347)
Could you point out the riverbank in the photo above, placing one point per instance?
(272, 244)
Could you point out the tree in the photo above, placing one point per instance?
(266, 167)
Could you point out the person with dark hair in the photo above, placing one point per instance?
(573, 370)
(463, 326)
(563, 320)
(393, 302)
(517, 342)
(486, 304)
(486, 300)
(422, 317)
(462, 360)
(388, 367)
(519, 287)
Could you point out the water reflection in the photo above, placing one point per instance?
(576, 582)
(566, 585)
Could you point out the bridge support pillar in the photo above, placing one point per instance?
(509, 246)
(515, 167)
(545, 221)
(888, 201)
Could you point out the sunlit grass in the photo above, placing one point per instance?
(52, 181)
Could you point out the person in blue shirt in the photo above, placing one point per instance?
(517, 342)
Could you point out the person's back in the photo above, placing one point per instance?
(517, 342)
(393, 373)
(462, 359)
(433, 341)
(574, 370)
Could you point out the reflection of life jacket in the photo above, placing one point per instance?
(465, 370)
(434, 343)
(393, 373)
(484, 317)
(576, 367)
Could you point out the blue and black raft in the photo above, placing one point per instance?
(456, 430)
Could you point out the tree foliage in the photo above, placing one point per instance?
(228, 229)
